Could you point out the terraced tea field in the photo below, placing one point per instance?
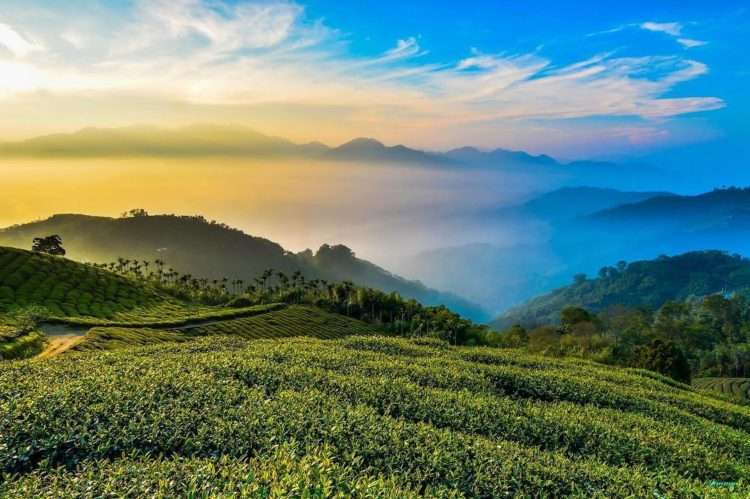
(83, 295)
(734, 388)
(271, 322)
(359, 417)
(292, 321)
(67, 288)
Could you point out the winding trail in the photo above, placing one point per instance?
(63, 337)
(58, 345)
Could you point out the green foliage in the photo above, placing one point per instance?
(666, 358)
(737, 389)
(644, 284)
(705, 337)
(269, 323)
(390, 416)
(172, 315)
(279, 473)
(23, 346)
(50, 245)
(66, 288)
(389, 311)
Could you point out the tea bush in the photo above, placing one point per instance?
(733, 388)
(359, 416)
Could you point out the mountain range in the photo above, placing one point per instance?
(502, 276)
(236, 141)
(580, 230)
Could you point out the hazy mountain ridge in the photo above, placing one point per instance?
(229, 140)
(711, 207)
(499, 277)
(557, 205)
(212, 250)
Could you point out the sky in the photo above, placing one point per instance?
(573, 79)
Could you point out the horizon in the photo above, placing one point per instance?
(237, 127)
(628, 83)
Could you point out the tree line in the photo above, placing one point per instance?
(698, 337)
(390, 311)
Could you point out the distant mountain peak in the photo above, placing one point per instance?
(362, 143)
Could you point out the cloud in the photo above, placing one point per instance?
(17, 45)
(690, 43)
(404, 48)
(673, 29)
(219, 57)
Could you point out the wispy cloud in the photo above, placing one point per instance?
(15, 43)
(211, 53)
(674, 30)
(690, 43)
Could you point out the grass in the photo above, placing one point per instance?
(361, 416)
(270, 323)
(734, 388)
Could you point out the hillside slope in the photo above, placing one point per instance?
(214, 251)
(74, 293)
(648, 283)
(360, 417)
(737, 389)
(280, 323)
(68, 288)
(572, 202)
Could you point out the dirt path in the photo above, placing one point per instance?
(59, 344)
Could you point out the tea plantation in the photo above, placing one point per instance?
(67, 288)
(79, 294)
(733, 388)
(271, 322)
(362, 416)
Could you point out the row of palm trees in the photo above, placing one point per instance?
(389, 310)
(267, 286)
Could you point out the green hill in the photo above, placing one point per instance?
(647, 283)
(67, 288)
(80, 294)
(193, 245)
(359, 417)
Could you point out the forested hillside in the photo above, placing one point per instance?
(684, 316)
(647, 283)
(211, 250)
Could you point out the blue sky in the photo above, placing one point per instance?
(567, 32)
(574, 79)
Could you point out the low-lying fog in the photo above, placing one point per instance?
(383, 212)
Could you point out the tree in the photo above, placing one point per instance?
(665, 357)
(570, 316)
(515, 337)
(135, 213)
(51, 245)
